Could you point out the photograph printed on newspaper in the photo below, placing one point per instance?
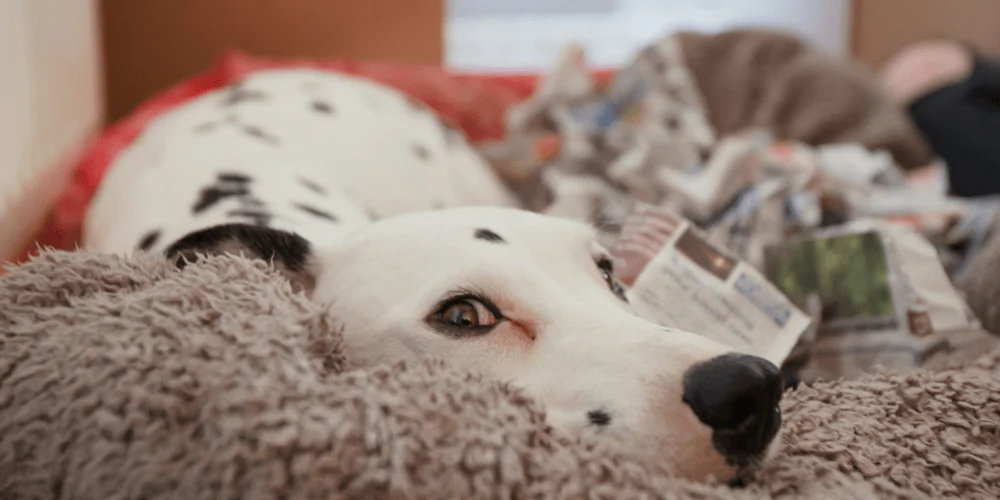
(885, 297)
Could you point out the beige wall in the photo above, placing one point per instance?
(881, 27)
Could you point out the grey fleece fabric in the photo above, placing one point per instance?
(126, 378)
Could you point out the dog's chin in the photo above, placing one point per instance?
(681, 452)
(747, 471)
(703, 463)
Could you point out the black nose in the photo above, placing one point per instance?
(737, 396)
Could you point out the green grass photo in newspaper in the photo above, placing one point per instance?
(849, 273)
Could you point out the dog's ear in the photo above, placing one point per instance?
(288, 252)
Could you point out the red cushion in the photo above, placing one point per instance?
(475, 103)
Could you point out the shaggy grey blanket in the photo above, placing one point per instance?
(127, 378)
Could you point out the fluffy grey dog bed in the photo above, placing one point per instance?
(126, 378)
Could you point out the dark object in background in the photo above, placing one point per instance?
(961, 121)
(757, 78)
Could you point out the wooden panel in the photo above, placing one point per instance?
(882, 27)
(152, 44)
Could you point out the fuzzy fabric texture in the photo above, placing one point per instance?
(127, 378)
(767, 79)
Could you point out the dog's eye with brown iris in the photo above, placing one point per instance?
(467, 312)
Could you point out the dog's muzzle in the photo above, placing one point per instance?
(737, 395)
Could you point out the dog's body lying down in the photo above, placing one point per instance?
(297, 166)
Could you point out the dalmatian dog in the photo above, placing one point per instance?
(367, 202)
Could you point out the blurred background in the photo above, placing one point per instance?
(526, 34)
(73, 66)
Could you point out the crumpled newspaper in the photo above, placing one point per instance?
(676, 278)
(586, 151)
(885, 297)
(593, 152)
(648, 117)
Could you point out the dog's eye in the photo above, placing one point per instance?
(608, 274)
(467, 313)
(607, 271)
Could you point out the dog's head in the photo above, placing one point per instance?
(530, 299)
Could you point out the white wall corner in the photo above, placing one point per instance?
(51, 105)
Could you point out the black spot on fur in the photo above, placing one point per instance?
(599, 418)
(672, 122)
(322, 107)
(228, 185)
(421, 152)
(257, 133)
(288, 249)
(704, 154)
(317, 212)
(233, 177)
(149, 239)
(239, 94)
(490, 236)
(214, 194)
(312, 186)
(257, 217)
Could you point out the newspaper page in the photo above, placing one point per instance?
(885, 297)
(679, 279)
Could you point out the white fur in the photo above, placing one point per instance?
(361, 153)
(565, 337)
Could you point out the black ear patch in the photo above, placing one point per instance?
(288, 252)
(490, 236)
